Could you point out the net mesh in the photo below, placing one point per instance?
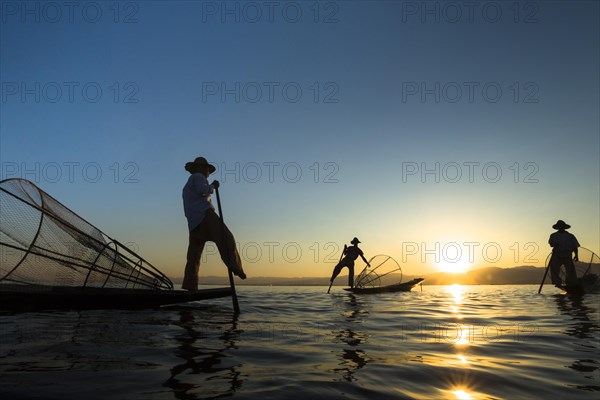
(587, 267)
(384, 270)
(42, 242)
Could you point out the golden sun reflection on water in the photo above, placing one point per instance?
(456, 291)
(459, 389)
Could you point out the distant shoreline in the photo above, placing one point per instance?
(522, 275)
(342, 285)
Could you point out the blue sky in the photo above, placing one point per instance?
(103, 104)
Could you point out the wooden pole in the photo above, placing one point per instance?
(236, 306)
(544, 279)
(341, 255)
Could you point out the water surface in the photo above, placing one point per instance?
(444, 342)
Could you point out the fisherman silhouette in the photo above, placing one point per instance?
(350, 255)
(204, 224)
(563, 244)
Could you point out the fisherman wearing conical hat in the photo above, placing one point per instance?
(563, 244)
(204, 224)
(350, 255)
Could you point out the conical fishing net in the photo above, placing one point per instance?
(384, 270)
(42, 242)
(586, 268)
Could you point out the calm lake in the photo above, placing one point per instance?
(444, 342)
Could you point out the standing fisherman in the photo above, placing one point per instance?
(563, 244)
(351, 254)
(204, 224)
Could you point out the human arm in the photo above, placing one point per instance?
(199, 185)
(552, 242)
(364, 259)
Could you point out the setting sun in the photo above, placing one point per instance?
(453, 267)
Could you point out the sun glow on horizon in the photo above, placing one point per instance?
(457, 267)
(462, 395)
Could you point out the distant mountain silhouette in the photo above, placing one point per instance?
(482, 276)
(490, 276)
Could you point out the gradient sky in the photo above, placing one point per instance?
(360, 103)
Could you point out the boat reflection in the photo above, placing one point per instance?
(584, 328)
(202, 347)
(351, 358)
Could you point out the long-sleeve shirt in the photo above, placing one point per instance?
(353, 252)
(563, 242)
(196, 199)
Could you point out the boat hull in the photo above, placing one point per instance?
(400, 287)
(587, 284)
(29, 298)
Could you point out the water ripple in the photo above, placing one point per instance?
(475, 342)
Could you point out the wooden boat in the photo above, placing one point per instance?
(54, 259)
(399, 287)
(18, 298)
(589, 283)
(382, 275)
(587, 270)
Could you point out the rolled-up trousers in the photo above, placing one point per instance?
(556, 261)
(210, 230)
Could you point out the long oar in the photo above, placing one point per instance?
(330, 284)
(341, 255)
(236, 306)
(544, 279)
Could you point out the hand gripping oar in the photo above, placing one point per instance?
(236, 306)
(341, 255)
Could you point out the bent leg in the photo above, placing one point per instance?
(222, 236)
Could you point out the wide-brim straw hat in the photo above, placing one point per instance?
(355, 241)
(200, 162)
(560, 224)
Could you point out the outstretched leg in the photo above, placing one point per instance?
(337, 269)
(222, 236)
